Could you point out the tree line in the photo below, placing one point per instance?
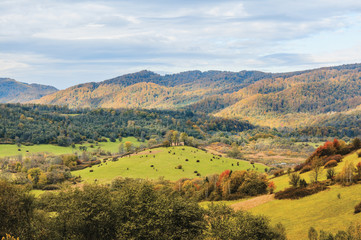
(127, 210)
(42, 124)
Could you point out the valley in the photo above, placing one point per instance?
(284, 146)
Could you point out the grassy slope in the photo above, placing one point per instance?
(283, 181)
(12, 149)
(322, 211)
(164, 165)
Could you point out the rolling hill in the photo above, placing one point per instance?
(12, 91)
(163, 162)
(295, 99)
(146, 89)
(300, 99)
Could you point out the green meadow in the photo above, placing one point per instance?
(324, 211)
(282, 182)
(164, 161)
(12, 149)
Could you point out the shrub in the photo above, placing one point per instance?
(179, 167)
(95, 162)
(357, 208)
(80, 167)
(278, 173)
(306, 168)
(330, 173)
(294, 179)
(337, 158)
(299, 167)
(303, 183)
(331, 163)
(51, 187)
(271, 187)
(296, 193)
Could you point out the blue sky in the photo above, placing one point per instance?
(65, 42)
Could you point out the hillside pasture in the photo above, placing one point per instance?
(12, 149)
(164, 162)
(330, 210)
(282, 182)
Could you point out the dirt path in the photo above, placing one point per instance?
(254, 202)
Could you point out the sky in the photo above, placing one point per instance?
(67, 42)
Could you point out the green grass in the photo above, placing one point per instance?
(164, 165)
(37, 192)
(282, 182)
(205, 204)
(12, 149)
(322, 211)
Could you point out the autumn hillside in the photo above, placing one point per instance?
(305, 98)
(146, 89)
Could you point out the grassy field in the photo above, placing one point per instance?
(283, 181)
(322, 211)
(12, 149)
(205, 204)
(139, 166)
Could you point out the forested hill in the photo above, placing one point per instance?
(37, 124)
(12, 91)
(294, 99)
(299, 100)
(146, 89)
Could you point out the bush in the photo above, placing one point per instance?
(80, 167)
(330, 173)
(296, 193)
(357, 208)
(303, 183)
(298, 167)
(294, 179)
(278, 173)
(337, 158)
(306, 168)
(330, 164)
(51, 187)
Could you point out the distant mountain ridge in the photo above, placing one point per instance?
(272, 99)
(12, 91)
(151, 90)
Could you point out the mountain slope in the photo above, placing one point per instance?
(12, 91)
(298, 100)
(294, 99)
(151, 90)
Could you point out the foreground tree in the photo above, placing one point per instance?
(226, 224)
(16, 211)
(144, 213)
(81, 214)
(317, 169)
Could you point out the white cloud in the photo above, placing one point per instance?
(64, 37)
